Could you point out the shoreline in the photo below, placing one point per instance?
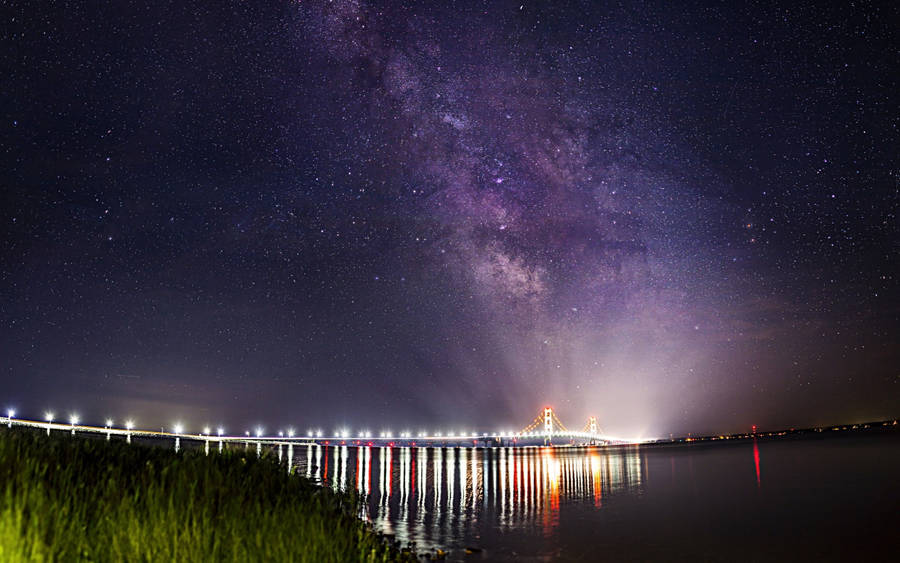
(67, 498)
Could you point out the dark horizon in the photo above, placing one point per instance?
(678, 219)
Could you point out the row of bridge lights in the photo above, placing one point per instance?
(74, 419)
(178, 428)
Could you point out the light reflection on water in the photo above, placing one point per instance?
(439, 497)
(811, 498)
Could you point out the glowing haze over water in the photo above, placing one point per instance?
(675, 218)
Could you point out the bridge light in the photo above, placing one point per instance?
(109, 422)
(280, 434)
(206, 430)
(318, 433)
(48, 416)
(290, 432)
(10, 413)
(129, 424)
(73, 419)
(178, 429)
(220, 431)
(259, 431)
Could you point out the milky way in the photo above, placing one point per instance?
(673, 220)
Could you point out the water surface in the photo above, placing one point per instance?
(834, 499)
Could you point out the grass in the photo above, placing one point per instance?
(78, 499)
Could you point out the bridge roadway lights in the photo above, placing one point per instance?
(586, 437)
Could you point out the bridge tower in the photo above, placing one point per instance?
(548, 425)
(550, 422)
(592, 425)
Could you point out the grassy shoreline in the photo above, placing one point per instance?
(68, 499)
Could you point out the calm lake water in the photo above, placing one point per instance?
(815, 498)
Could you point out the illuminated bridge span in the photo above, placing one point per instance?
(545, 430)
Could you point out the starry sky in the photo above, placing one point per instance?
(676, 217)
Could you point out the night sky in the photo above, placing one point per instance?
(678, 217)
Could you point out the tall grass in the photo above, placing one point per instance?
(75, 499)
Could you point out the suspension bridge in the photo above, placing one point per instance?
(546, 429)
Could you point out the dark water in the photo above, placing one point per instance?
(835, 499)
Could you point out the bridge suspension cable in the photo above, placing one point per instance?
(539, 419)
(558, 422)
(547, 421)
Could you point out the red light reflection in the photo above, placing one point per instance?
(756, 461)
